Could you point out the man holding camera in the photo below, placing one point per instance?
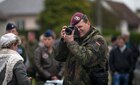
(85, 52)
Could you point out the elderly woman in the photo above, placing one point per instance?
(12, 70)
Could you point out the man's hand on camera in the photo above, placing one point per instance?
(63, 31)
(67, 38)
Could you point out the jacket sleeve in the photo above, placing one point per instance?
(91, 52)
(20, 73)
(111, 61)
(38, 66)
(61, 71)
(131, 61)
(61, 51)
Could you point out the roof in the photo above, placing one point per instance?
(123, 12)
(21, 7)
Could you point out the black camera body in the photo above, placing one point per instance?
(69, 29)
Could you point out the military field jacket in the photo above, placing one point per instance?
(89, 52)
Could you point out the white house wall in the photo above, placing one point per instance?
(2, 28)
(124, 27)
(29, 21)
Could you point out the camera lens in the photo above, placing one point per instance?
(69, 30)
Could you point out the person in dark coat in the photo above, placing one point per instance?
(121, 63)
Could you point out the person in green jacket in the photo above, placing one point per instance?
(84, 51)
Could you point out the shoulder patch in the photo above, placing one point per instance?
(96, 46)
(98, 43)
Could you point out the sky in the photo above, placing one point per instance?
(1, 0)
(132, 4)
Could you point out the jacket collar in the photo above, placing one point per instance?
(90, 33)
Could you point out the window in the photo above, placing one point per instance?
(20, 24)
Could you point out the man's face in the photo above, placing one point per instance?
(83, 27)
(48, 41)
(31, 37)
(14, 31)
(14, 47)
(121, 42)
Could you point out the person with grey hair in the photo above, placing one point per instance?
(12, 69)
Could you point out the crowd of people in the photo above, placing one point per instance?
(80, 56)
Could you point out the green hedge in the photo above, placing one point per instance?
(134, 36)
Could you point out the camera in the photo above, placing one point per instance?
(69, 29)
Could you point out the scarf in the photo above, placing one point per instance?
(8, 59)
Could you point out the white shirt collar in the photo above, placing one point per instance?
(122, 48)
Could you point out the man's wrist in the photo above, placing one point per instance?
(69, 44)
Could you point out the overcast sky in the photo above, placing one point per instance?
(1, 0)
(132, 4)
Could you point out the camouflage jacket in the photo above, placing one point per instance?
(89, 53)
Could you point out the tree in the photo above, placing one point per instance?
(57, 13)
